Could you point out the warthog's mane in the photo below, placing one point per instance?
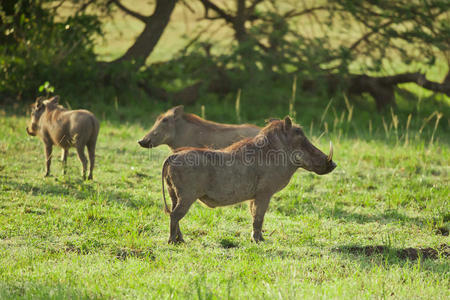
(58, 107)
(194, 119)
(54, 111)
(268, 139)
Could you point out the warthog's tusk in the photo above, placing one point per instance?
(330, 156)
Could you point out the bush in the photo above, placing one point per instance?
(36, 48)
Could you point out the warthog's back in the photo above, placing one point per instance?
(198, 132)
(69, 126)
(217, 178)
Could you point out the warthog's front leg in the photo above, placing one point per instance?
(258, 209)
(48, 158)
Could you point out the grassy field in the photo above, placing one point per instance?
(377, 227)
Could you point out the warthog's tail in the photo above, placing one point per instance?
(163, 175)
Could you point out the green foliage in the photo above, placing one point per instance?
(40, 48)
(412, 31)
(47, 88)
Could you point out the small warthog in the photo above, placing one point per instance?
(56, 125)
(178, 129)
(252, 169)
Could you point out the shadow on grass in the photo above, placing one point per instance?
(384, 217)
(430, 259)
(401, 253)
(337, 213)
(76, 189)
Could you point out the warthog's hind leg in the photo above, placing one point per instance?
(183, 205)
(91, 152)
(64, 154)
(258, 209)
(173, 197)
(83, 159)
(48, 158)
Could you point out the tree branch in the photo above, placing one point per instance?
(84, 6)
(420, 80)
(222, 14)
(130, 12)
(292, 13)
(252, 6)
(366, 36)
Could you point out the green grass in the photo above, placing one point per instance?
(64, 238)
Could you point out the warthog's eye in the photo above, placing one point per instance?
(165, 120)
(298, 131)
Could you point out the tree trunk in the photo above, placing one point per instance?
(239, 22)
(149, 37)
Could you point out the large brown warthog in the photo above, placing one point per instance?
(56, 125)
(178, 129)
(252, 169)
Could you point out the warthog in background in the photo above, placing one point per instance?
(56, 125)
(178, 129)
(252, 169)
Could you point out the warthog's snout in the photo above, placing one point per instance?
(145, 143)
(327, 169)
(332, 166)
(30, 132)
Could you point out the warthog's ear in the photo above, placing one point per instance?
(178, 111)
(52, 102)
(287, 123)
(54, 99)
(39, 101)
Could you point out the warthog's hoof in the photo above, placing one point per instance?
(257, 237)
(175, 241)
(47, 174)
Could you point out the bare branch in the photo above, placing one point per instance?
(189, 7)
(293, 13)
(366, 36)
(55, 8)
(252, 6)
(220, 12)
(418, 79)
(84, 7)
(130, 12)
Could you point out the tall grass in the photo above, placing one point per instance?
(203, 113)
(344, 124)
(292, 111)
(238, 106)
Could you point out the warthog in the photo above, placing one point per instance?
(56, 125)
(252, 169)
(178, 129)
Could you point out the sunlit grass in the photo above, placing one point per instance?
(64, 238)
